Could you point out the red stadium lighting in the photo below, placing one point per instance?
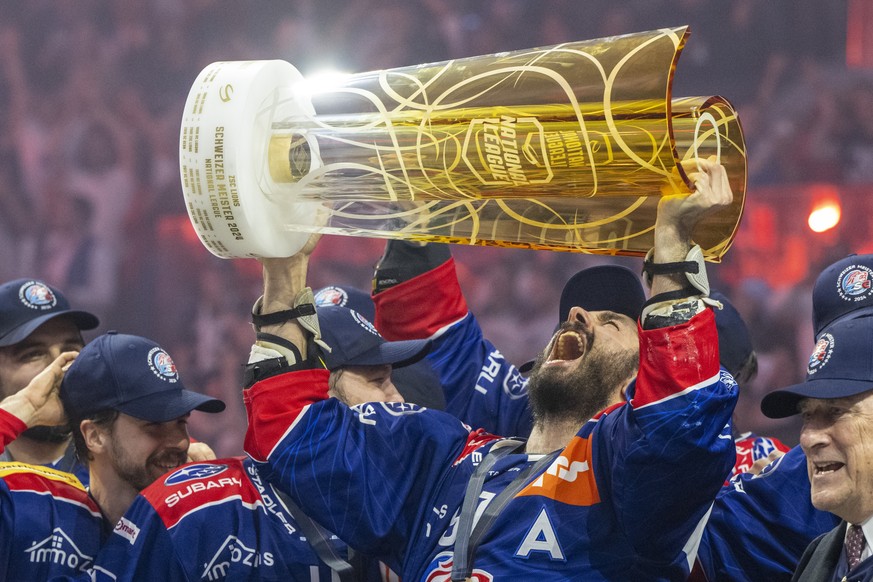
(824, 216)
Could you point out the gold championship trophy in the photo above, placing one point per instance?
(565, 147)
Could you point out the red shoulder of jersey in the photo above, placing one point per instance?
(40, 480)
(201, 484)
(476, 439)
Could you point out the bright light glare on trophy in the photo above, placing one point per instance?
(564, 147)
(320, 82)
(825, 216)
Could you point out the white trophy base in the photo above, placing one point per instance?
(226, 129)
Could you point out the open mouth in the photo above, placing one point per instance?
(569, 345)
(170, 462)
(827, 468)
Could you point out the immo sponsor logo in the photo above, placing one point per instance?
(58, 548)
(234, 552)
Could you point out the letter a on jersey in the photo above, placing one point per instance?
(541, 537)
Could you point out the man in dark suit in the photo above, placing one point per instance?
(836, 402)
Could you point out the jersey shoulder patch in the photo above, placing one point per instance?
(41, 480)
(198, 485)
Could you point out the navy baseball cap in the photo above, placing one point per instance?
(841, 365)
(348, 297)
(843, 289)
(734, 343)
(26, 304)
(354, 341)
(133, 375)
(603, 288)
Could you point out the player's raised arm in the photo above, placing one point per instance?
(678, 213)
(285, 314)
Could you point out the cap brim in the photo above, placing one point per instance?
(784, 403)
(169, 405)
(398, 354)
(82, 319)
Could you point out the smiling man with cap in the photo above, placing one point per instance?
(761, 524)
(836, 403)
(129, 413)
(36, 326)
(127, 408)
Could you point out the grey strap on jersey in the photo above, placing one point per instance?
(319, 539)
(468, 538)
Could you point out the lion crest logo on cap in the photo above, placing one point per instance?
(364, 322)
(331, 296)
(162, 365)
(824, 348)
(855, 283)
(37, 295)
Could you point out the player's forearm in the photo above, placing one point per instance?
(672, 243)
(679, 212)
(283, 281)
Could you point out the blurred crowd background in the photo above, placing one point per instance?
(91, 98)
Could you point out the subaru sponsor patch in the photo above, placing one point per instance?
(192, 472)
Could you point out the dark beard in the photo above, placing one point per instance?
(558, 395)
(139, 476)
(47, 434)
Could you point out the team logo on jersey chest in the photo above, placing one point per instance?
(515, 385)
(440, 570)
(855, 283)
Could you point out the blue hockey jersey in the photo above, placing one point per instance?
(761, 524)
(481, 387)
(432, 306)
(215, 520)
(49, 525)
(622, 501)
